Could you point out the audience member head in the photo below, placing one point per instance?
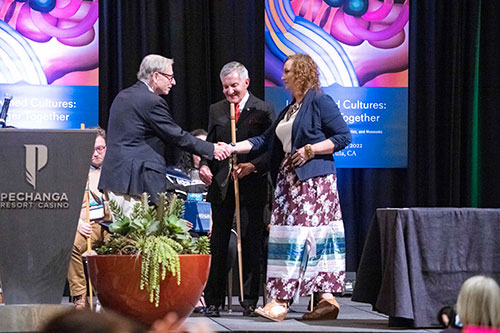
(99, 148)
(235, 81)
(300, 73)
(200, 133)
(447, 316)
(158, 72)
(82, 321)
(479, 302)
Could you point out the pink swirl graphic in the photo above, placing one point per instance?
(361, 32)
(68, 21)
(66, 11)
(380, 23)
(41, 21)
(62, 34)
(376, 41)
(379, 14)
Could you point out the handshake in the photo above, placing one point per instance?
(223, 150)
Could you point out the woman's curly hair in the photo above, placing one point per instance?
(305, 72)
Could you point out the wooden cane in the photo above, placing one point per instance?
(89, 242)
(87, 220)
(237, 204)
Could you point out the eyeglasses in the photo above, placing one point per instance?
(170, 77)
(100, 149)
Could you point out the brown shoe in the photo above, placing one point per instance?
(273, 310)
(1, 298)
(326, 309)
(81, 302)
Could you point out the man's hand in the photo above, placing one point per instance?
(206, 175)
(243, 169)
(222, 150)
(189, 224)
(85, 228)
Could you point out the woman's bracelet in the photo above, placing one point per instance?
(309, 152)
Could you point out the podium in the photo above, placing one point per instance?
(43, 175)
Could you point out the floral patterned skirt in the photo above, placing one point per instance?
(306, 241)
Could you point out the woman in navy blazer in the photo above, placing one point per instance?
(306, 241)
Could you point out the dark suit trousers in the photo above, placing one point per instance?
(252, 229)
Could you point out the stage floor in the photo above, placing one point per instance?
(353, 317)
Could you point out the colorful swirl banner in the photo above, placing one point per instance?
(361, 49)
(49, 59)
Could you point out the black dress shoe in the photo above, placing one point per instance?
(249, 311)
(211, 311)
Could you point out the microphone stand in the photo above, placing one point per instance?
(5, 109)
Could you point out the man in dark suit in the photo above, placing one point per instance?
(254, 118)
(140, 131)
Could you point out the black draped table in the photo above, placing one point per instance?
(415, 260)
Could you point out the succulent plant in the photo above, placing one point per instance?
(158, 234)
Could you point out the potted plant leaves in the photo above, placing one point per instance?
(150, 265)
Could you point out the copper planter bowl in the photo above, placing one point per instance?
(116, 279)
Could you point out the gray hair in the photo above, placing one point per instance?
(153, 63)
(234, 66)
(478, 302)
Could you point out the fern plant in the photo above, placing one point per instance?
(157, 233)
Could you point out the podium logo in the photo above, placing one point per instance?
(36, 159)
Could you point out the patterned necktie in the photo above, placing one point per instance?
(237, 113)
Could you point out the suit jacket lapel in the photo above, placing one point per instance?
(306, 102)
(226, 110)
(248, 109)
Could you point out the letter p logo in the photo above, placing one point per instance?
(36, 159)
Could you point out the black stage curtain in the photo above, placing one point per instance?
(454, 92)
(200, 35)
